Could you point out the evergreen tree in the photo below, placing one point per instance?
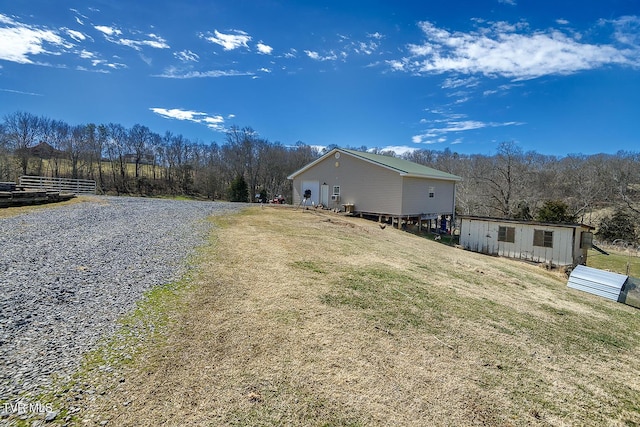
(238, 190)
(555, 211)
(621, 225)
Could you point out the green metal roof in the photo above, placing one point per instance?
(404, 167)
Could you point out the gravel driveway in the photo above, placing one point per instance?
(67, 274)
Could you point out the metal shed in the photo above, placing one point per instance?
(555, 243)
(598, 282)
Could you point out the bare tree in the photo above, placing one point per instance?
(139, 140)
(100, 144)
(115, 148)
(22, 130)
(244, 149)
(5, 163)
(626, 179)
(504, 176)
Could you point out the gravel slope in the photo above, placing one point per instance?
(66, 275)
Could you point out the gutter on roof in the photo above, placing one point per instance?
(442, 178)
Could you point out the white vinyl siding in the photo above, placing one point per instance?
(370, 188)
(416, 200)
(376, 188)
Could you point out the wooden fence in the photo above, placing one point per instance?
(63, 185)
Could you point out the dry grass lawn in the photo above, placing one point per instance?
(307, 318)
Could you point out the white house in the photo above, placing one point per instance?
(372, 184)
(558, 244)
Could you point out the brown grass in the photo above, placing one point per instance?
(302, 318)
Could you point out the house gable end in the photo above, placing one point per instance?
(397, 165)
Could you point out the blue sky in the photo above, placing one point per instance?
(558, 77)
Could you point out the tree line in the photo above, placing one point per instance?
(138, 161)
(599, 189)
(511, 183)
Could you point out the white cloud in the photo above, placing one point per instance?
(109, 31)
(230, 41)
(293, 53)
(153, 41)
(20, 92)
(627, 30)
(85, 54)
(264, 49)
(147, 59)
(501, 50)
(214, 122)
(366, 48)
(179, 114)
(317, 57)
(398, 149)
(452, 83)
(562, 21)
(397, 65)
(20, 41)
(175, 73)
(76, 35)
(113, 34)
(435, 134)
(186, 56)
(313, 55)
(103, 63)
(509, 2)
(78, 16)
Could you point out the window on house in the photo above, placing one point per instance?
(507, 234)
(586, 240)
(336, 190)
(543, 238)
(432, 192)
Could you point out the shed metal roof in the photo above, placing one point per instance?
(402, 166)
(597, 282)
(526, 222)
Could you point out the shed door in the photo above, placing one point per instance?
(314, 186)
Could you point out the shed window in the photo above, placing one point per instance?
(586, 240)
(507, 234)
(432, 192)
(543, 238)
(336, 190)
